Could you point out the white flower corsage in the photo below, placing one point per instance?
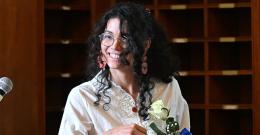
(158, 112)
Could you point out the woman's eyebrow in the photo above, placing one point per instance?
(108, 31)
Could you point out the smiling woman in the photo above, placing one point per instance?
(132, 66)
(112, 47)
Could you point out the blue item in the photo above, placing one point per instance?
(185, 131)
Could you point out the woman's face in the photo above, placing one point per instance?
(112, 44)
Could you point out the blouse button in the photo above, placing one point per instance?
(134, 109)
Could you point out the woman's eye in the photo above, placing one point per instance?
(108, 36)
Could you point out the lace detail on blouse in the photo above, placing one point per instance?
(125, 103)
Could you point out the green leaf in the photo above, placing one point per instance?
(156, 129)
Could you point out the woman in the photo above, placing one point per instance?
(133, 67)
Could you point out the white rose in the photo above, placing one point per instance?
(158, 110)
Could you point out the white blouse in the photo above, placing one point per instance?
(82, 117)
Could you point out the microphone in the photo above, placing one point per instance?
(6, 86)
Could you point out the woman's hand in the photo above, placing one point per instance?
(133, 129)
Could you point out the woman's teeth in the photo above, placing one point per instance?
(114, 56)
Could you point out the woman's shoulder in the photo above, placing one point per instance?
(84, 91)
(162, 87)
(170, 92)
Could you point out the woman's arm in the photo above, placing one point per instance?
(75, 119)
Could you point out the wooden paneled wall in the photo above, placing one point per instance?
(22, 60)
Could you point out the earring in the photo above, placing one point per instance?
(101, 61)
(144, 59)
(144, 65)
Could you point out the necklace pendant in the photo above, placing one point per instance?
(134, 109)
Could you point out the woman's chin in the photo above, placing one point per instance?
(114, 65)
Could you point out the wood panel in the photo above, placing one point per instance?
(216, 40)
(256, 67)
(21, 58)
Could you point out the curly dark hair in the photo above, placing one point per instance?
(141, 26)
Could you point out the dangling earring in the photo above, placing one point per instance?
(144, 65)
(101, 61)
(144, 59)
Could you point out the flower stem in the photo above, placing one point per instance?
(156, 129)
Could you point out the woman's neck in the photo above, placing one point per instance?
(126, 80)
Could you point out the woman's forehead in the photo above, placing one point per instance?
(114, 25)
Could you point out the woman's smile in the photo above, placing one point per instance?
(113, 55)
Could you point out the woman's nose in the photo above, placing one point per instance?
(117, 45)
